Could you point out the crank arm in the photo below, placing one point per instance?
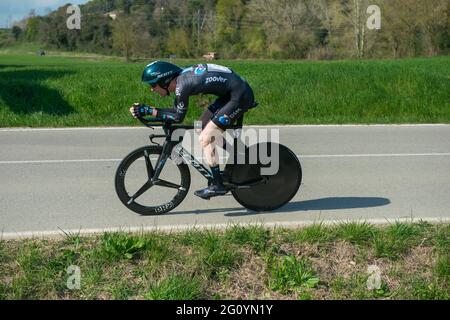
(246, 185)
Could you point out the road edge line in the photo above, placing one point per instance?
(208, 226)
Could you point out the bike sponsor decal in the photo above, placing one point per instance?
(200, 168)
(176, 154)
(190, 159)
(164, 207)
(200, 69)
(215, 79)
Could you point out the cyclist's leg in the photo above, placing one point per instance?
(228, 115)
(208, 140)
(213, 133)
(206, 117)
(241, 99)
(208, 114)
(218, 104)
(211, 136)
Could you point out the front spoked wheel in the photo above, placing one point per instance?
(140, 192)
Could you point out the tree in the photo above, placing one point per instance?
(32, 29)
(355, 10)
(16, 31)
(178, 43)
(287, 25)
(432, 21)
(229, 14)
(125, 5)
(248, 28)
(327, 11)
(124, 37)
(414, 27)
(255, 41)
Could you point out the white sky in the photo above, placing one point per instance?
(15, 10)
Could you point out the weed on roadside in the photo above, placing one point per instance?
(256, 237)
(359, 233)
(288, 274)
(176, 287)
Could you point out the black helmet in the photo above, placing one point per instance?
(161, 73)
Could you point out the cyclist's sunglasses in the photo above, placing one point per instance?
(153, 85)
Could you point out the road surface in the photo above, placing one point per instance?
(63, 179)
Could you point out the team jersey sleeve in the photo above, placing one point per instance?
(178, 112)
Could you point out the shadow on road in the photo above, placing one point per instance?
(332, 203)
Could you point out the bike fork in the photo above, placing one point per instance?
(161, 160)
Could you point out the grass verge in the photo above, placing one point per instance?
(342, 261)
(58, 91)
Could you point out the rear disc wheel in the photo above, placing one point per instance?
(281, 169)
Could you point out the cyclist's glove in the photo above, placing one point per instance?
(139, 111)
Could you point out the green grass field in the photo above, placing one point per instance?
(55, 91)
(252, 262)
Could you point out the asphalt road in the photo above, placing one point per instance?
(53, 179)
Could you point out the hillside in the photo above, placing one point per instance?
(272, 29)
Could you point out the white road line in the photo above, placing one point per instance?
(369, 155)
(58, 161)
(375, 155)
(69, 129)
(185, 227)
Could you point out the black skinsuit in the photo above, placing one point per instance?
(234, 94)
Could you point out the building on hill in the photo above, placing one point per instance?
(113, 14)
(210, 56)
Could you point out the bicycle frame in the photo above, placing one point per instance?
(181, 152)
(169, 145)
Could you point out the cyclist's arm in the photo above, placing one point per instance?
(178, 112)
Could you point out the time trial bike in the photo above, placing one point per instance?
(155, 179)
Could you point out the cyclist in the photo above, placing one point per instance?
(235, 97)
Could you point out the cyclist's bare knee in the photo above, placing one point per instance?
(212, 134)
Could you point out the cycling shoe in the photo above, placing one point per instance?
(211, 191)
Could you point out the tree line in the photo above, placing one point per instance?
(276, 29)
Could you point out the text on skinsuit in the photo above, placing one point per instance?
(215, 79)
